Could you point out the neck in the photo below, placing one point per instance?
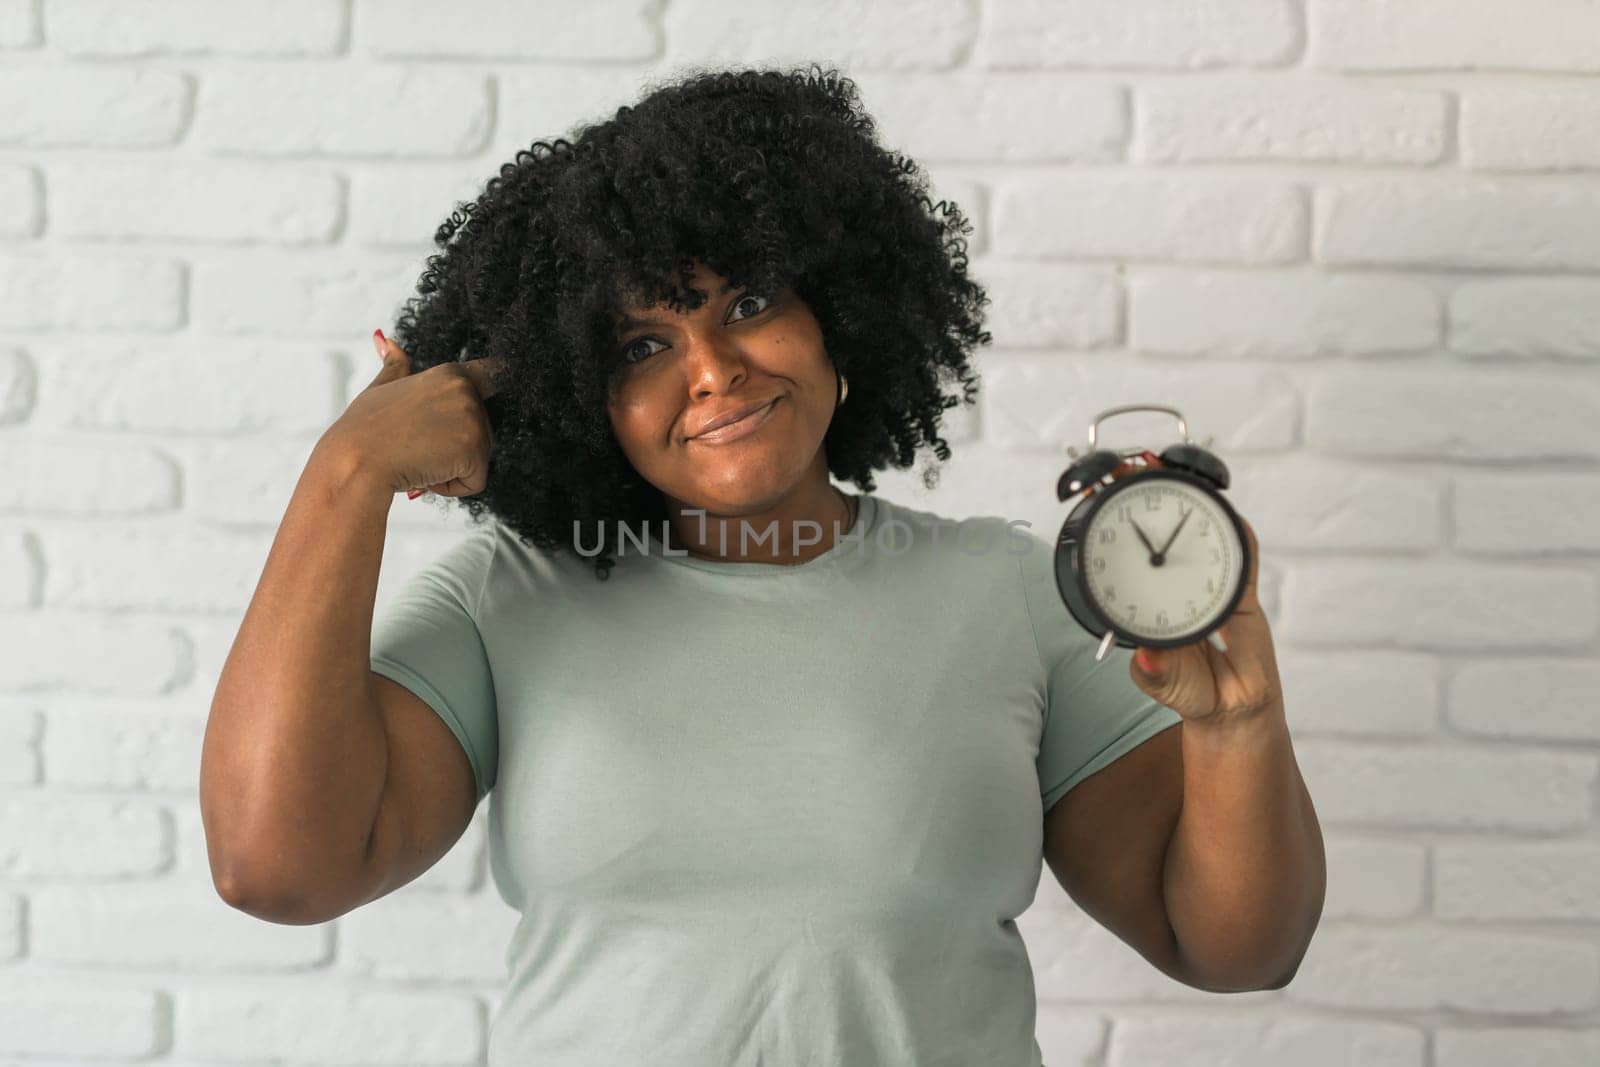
(799, 527)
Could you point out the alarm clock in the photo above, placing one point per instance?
(1152, 554)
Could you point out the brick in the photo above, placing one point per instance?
(404, 206)
(268, 109)
(287, 28)
(88, 478)
(1535, 129)
(1145, 33)
(94, 107)
(1443, 605)
(161, 926)
(288, 297)
(57, 1015)
(20, 729)
(18, 386)
(162, 569)
(20, 570)
(1052, 305)
(1464, 415)
(19, 27)
(998, 117)
(1138, 217)
(870, 37)
(1534, 880)
(545, 102)
(63, 290)
(1537, 35)
(230, 387)
(1287, 315)
(1428, 970)
(122, 748)
(505, 29)
(60, 837)
(1478, 223)
(21, 202)
(10, 929)
(1447, 788)
(1244, 1039)
(1372, 693)
(65, 650)
(208, 202)
(333, 1024)
(1294, 121)
(1374, 880)
(1527, 513)
(1545, 699)
(1031, 403)
(1303, 502)
(1489, 1046)
(1526, 318)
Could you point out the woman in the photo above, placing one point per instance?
(774, 790)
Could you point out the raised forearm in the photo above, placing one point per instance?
(1245, 871)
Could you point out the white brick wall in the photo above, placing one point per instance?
(1356, 241)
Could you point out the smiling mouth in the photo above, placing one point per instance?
(734, 430)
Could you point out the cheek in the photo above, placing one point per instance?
(639, 426)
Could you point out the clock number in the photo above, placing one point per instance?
(1111, 592)
(1098, 563)
(1193, 611)
(1152, 502)
(1161, 618)
(1107, 535)
(1216, 555)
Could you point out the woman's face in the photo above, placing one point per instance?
(738, 350)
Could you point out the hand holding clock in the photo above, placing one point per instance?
(1199, 681)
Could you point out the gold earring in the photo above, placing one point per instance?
(844, 388)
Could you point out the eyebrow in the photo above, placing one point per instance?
(629, 322)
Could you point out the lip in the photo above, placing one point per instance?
(747, 424)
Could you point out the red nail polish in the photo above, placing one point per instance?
(412, 494)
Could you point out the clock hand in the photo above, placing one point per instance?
(1154, 560)
(1174, 536)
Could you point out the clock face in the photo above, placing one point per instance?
(1179, 582)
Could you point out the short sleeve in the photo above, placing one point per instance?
(426, 638)
(1094, 712)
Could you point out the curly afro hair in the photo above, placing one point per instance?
(770, 178)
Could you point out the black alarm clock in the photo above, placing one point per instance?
(1152, 554)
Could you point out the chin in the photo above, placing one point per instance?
(742, 487)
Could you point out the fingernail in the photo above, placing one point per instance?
(377, 342)
(1144, 661)
(412, 494)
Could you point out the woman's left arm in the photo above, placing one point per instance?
(1245, 872)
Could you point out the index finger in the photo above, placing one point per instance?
(485, 373)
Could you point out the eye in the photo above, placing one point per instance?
(753, 296)
(738, 302)
(634, 344)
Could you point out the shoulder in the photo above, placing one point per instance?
(984, 548)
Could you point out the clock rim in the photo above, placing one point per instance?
(1098, 499)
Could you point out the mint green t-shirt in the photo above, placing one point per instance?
(767, 814)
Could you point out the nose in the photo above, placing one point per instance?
(714, 364)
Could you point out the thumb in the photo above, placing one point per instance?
(396, 364)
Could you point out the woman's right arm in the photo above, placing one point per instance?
(296, 753)
(322, 784)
